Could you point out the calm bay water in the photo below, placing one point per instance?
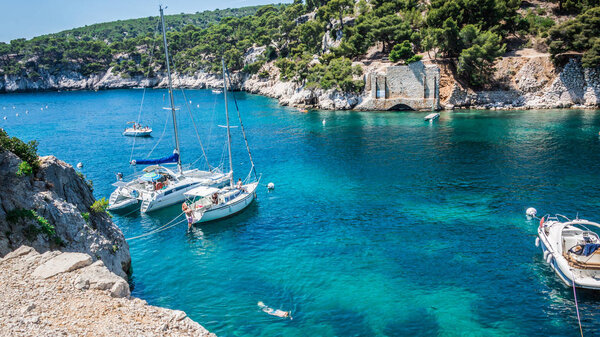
(380, 223)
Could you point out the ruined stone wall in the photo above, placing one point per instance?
(414, 86)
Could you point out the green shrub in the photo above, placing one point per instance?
(402, 51)
(44, 226)
(26, 151)
(24, 169)
(100, 206)
(86, 216)
(415, 58)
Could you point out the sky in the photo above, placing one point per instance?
(29, 18)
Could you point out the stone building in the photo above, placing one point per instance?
(408, 87)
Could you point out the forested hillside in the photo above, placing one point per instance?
(471, 34)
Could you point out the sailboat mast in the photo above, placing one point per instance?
(170, 89)
(227, 117)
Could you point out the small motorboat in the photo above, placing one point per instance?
(572, 249)
(217, 91)
(137, 130)
(432, 116)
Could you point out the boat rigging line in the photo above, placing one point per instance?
(144, 92)
(192, 118)
(226, 71)
(576, 305)
(161, 228)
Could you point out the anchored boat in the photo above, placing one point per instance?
(157, 186)
(206, 203)
(572, 249)
(137, 130)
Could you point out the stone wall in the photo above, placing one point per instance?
(414, 86)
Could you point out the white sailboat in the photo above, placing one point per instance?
(210, 203)
(158, 186)
(572, 249)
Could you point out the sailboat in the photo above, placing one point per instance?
(157, 186)
(211, 203)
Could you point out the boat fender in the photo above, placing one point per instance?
(537, 242)
(549, 258)
(271, 186)
(546, 253)
(542, 221)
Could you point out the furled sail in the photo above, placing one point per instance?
(169, 159)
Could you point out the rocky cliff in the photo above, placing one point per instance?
(521, 80)
(58, 195)
(64, 263)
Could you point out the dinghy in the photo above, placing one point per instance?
(432, 116)
(217, 91)
(572, 249)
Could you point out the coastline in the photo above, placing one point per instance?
(519, 82)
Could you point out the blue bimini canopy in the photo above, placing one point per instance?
(150, 176)
(170, 159)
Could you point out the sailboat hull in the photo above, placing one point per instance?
(228, 209)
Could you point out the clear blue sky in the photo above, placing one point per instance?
(29, 18)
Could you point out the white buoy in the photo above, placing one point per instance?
(324, 122)
(42, 109)
(190, 101)
(197, 105)
(531, 212)
(46, 107)
(4, 117)
(17, 114)
(271, 186)
(26, 112)
(14, 107)
(79, 165)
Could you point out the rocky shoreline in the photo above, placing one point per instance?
(64, 294)
(64, 264)
(524, 82)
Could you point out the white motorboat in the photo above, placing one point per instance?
(572, 249)
(137, 130)
(208, 204)
(157, 186)
(217, 91)
(432, 116)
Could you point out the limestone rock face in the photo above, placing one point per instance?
(60, 196)
(60, 306)
(62, 263)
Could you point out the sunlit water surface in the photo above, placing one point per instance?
(381, 224)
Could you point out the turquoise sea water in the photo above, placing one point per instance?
(381, 224)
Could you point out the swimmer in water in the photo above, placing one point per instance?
(274, 312)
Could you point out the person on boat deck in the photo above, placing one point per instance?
(215, 198)
(189, 214)
(239, 184)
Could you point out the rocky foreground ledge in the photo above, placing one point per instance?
(63, 262)
(65, 294)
